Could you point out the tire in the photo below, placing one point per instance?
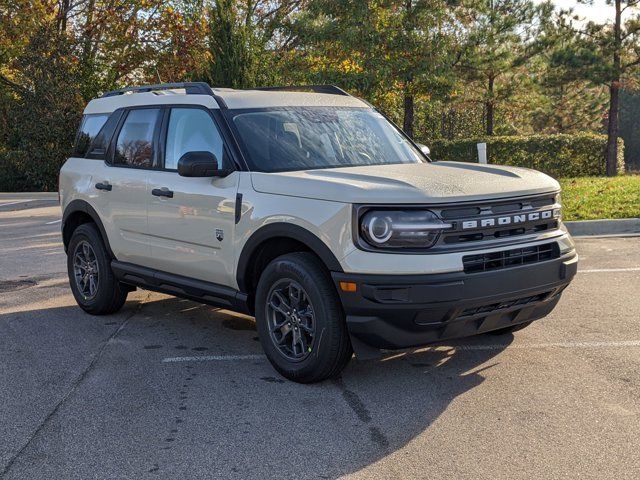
(106, 295)
(514, 328)
(316, 319)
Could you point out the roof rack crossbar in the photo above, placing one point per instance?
(330, 89)
(191, 88)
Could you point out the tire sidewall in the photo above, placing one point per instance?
(89, 234)
(288, 268)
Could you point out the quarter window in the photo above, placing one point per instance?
(191, 130)
(89, 128)
(134, 146)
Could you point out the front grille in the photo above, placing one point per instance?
(498, 233)
(490, 308)
(460, 216)
(510, 258)
(497, 207)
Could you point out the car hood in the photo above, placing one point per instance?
(438, 182)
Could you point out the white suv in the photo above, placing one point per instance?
(308, 209)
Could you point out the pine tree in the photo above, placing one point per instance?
(499, 45)
(384, 51)
(607, 54)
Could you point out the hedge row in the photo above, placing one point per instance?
(13, 178)
(20, 172)
(578, 155)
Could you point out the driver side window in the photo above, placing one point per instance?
(191, 130)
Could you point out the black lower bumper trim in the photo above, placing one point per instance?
(395, 311)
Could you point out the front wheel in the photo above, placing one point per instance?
(300, 320)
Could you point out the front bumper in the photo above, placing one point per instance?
(401, 311)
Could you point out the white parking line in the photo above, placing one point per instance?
(609, 270)
(525, 346)
(55, 221)
(212, 358)
(464, 348)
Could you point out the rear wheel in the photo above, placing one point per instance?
(514, 328)
(300, 320)
(89, 267)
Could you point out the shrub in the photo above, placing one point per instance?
(41, 117)
(12, 176)
(576, 155)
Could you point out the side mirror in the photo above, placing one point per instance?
(424, 149)
(199, 164)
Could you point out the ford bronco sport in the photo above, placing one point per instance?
(307, 208)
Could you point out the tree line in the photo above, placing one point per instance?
(442, 69)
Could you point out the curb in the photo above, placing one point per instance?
(588, 228)
(34, 195)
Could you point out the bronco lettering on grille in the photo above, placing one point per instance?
(510, 219)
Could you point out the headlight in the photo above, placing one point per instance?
(401, 228)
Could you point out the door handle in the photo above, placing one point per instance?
(104, 186)
(162, 192)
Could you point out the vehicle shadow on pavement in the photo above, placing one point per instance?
(339, 426)
(398, 398)
(133, 414)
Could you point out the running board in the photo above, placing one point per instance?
(179, 286)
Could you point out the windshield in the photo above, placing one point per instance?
(303, 138)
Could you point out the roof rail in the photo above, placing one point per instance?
(330, 89)
(191, 88)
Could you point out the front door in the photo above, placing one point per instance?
(192, 228)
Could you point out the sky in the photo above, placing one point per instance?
(598, 12)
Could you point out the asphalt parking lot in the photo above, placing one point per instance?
(171, 389)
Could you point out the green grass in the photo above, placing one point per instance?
(590, 198)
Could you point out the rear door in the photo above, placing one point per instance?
(192, 225)
(123, 183)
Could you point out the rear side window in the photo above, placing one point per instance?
(134, 146)
(89, 128)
